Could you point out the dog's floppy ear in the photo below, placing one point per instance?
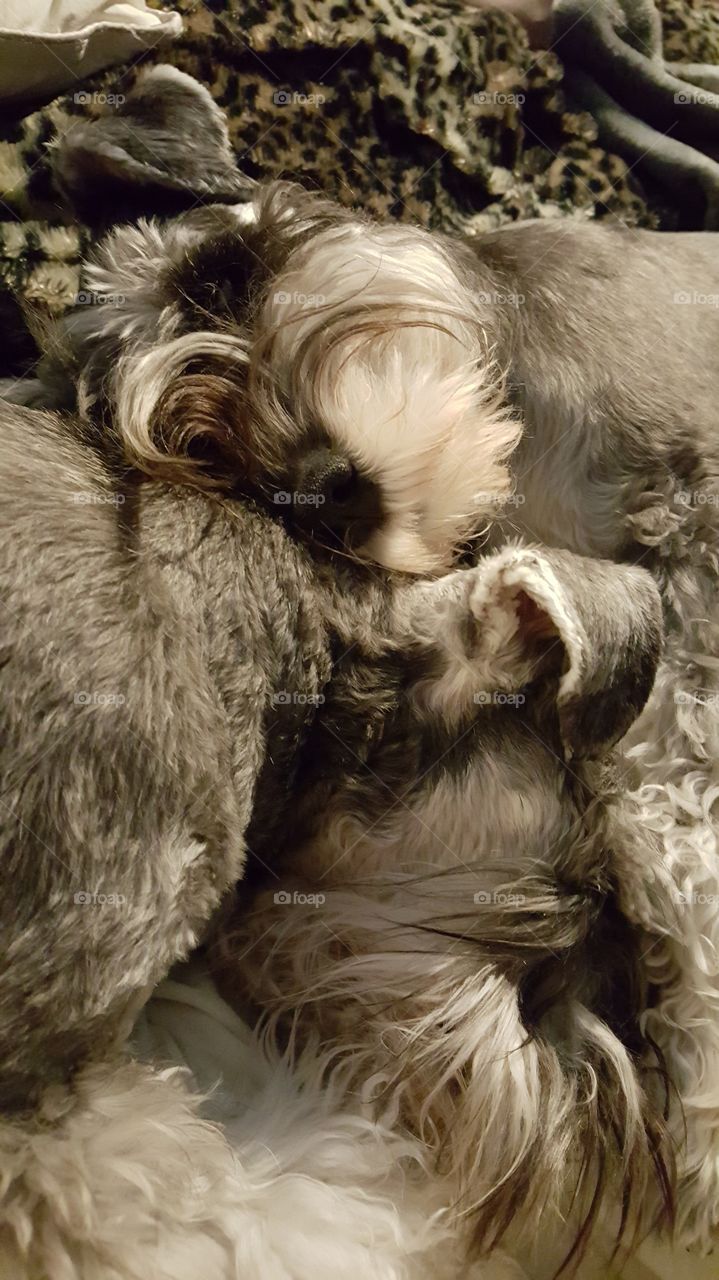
(593, 627)
(162, 149)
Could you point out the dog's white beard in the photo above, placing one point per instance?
(376, 339)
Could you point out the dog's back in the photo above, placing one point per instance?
(610, 338)
(145, 631)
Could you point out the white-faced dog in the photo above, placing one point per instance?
(400, 395)
(400, 389)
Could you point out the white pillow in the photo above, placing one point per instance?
(47, 46)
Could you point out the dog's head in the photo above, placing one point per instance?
(472, 954)
(267, 339)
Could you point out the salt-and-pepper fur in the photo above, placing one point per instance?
(224, 345)
(450, 914)
(166, 669)
(145, 635)
(168, 652)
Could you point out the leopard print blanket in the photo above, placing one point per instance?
(429, 110)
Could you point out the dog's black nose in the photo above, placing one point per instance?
(331, 493)
(327, 477)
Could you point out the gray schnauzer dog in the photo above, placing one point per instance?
(402, 397)
(185, 685)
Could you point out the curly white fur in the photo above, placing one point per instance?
(127, 1181)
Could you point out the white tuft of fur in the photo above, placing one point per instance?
(432, 1035)
(493, 602)
(499, 658)
(125, 1181)
(122, 287)
(378, 340)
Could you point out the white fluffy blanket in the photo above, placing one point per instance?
(323, 1193)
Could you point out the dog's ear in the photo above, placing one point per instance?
(590, 628)
(162, 149)
(137, 173)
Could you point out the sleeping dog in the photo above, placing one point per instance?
(455, 868)
(452, 920)
(399, 390)
(398, 395)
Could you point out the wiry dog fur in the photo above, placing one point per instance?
(468, 948)
(123, 1180)
(136, 686)
(148, 753)
(288, 348)
(232, 342)
(148, 743)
